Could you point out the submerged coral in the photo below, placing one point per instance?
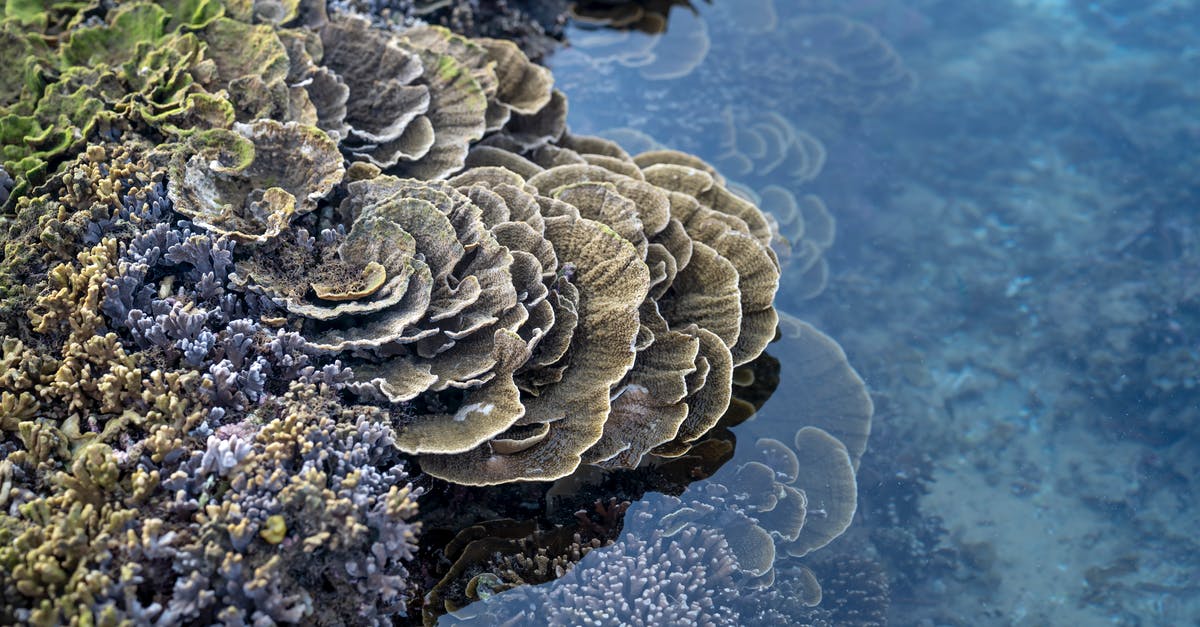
(502, 554)
(653, 576)
(712, 553)
(624, 39)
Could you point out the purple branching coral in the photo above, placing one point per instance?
(6, 185)
(192, 443)
(171, 296)
(305, 518)
(311, 513)
(702, 558)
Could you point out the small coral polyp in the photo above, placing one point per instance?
(260, 261)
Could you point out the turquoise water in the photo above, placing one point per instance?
(1008, 255)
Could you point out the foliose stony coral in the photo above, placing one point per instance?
(657, 278)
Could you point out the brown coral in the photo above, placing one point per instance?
(416, 101)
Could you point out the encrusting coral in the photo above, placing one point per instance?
(261, 260)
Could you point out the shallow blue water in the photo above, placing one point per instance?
(1013, 272)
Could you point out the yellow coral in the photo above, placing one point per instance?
(275, 529)
(72, 301)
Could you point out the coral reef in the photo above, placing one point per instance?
(262, 262)
(652, 577)
(501, 554)
(688, 559)
(180, 76)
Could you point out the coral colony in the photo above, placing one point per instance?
(270, 273)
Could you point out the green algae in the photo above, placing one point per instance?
(139, 66)
(116, 42)
(26, 12)
(191, 14)
(20, 75)
(239, 49)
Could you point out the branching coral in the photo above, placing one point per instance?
(312, 516)
(271, 539)
(685, 560)
(652, 576)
